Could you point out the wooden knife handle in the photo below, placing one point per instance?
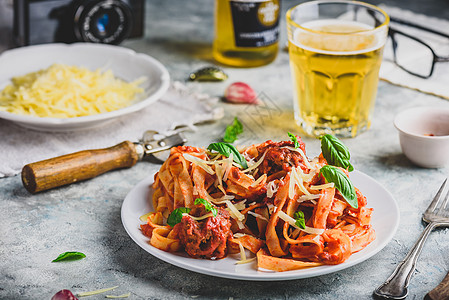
(54, 172)
(441, 292)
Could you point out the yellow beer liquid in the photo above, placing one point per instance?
(335, 77)
(224, 49)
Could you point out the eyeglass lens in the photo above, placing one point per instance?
(412, 55)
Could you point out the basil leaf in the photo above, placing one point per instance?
(294, 139)
(335, 152)
(69, 256)
(232, 131)
(342, 183)
(300, 221)
(176, 215)
(207, 205)
(226, 150)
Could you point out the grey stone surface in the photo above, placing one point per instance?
(85, 216)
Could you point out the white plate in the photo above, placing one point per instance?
(124, 63)
(385, 221)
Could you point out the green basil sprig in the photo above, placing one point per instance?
(300, 221)
(176, 215)
(226, 150)
(69, 256)
(294, 139)
(207, 205)
(232, 131)
(342, 183)
(335, 152)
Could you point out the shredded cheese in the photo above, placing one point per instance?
(222, 199)
(239, 235)
(308, 197)
(303, 155)
(296, 180)
(84, 294)
(63, 91)
(242, 252)
(272, 188)
(246, 261)
(259, 180)
(255, 165)
(199, 218)
(292, 222)
(257, 215)
(119, 296)
(316, 239)
(240, 205)
(228, 166)
(322, 186)
(240, 217)
(200, 162)
(144, 217)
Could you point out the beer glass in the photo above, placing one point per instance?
(335, 50)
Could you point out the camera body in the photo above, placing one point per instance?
(69, 21)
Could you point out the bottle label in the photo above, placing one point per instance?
(256, 23)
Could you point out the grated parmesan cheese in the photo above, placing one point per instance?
(96, 292)
(242, 252)
(303, 155)
(200, 162)
(272, 188)
(292, 222)
(259, 180)
(308, 197)
(246, 261)
(297, 180)
(322, 186)
(257, 215)
(234, 211)
(199, 218)
(228, 166)
(256, 164)
(63, 91)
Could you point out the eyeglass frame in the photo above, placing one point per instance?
(436, 58)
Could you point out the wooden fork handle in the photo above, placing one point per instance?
(441, 291)
(70, 168)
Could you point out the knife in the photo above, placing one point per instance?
(441, 291)
(58, 171)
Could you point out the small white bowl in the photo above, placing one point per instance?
(424, 135)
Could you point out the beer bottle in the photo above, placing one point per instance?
(246, 32)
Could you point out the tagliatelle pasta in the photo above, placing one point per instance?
(280, 208)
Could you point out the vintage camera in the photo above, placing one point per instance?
(69, 21)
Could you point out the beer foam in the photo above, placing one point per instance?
(338, 37)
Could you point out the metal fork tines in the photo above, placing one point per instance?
(438, 210)
(436, 215)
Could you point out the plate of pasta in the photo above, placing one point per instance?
(67, 87)
(263, 212)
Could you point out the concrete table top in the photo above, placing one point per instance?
(85, 216)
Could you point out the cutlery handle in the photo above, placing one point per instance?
(395, 287)
(441, 291)
(54, 172)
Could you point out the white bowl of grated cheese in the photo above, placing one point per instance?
(122, 68)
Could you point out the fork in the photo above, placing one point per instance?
(436, 215)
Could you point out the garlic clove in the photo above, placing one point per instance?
(240, 92)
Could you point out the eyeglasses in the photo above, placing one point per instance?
(412, 54)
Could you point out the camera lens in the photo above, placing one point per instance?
(103, 21)
(103, 24)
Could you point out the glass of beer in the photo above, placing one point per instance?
(335, 50)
